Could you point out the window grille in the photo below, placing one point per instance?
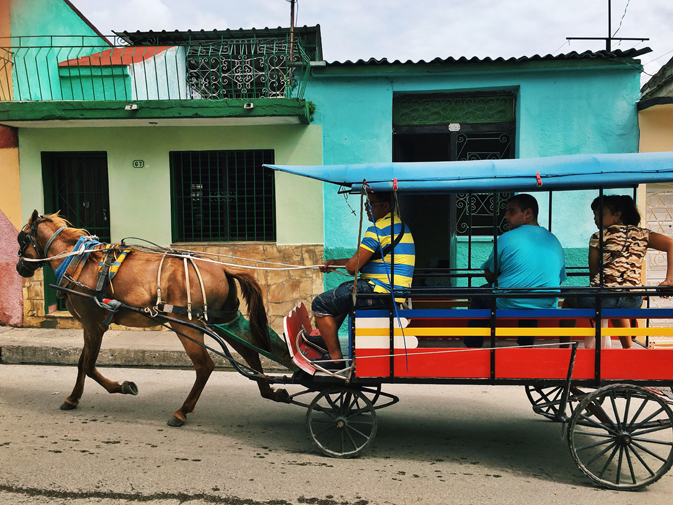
(222, 196)
(475, 210)
(248, 68)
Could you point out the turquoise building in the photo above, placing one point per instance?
(461, 109)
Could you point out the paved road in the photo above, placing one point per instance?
(439, 445)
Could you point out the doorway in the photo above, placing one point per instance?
(76, 184)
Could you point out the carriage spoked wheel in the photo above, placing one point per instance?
(627, 441)
(341, 422)
(546, 401)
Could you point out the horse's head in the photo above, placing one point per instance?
(35, 240)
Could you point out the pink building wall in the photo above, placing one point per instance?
(11, 286)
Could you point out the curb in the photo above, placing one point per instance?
(69, 356)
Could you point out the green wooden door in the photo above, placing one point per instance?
(76, 184)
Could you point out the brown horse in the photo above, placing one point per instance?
(135, 284)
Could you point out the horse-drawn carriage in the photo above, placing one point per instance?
(619, 424)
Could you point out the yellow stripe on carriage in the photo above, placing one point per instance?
(637, 332)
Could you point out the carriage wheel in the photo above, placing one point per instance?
(547, 400)
(341, 422)
(627, 443)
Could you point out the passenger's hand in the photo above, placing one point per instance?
(327, 266)
(667, 285)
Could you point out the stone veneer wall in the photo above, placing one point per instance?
(281, 289)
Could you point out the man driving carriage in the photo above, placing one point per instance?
(372, 261)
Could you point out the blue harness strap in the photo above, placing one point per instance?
(90, 244)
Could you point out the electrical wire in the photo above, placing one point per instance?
(622, 19)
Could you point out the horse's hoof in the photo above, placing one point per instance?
(281, 396)
(68, 406)
(175, 422)
(129, 388)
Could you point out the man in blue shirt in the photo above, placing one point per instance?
(528, 257)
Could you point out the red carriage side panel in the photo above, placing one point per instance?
(424, 363)
(641, 364)
(514, 363)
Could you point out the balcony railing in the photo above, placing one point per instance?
(81, 68)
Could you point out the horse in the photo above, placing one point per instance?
(135, 284)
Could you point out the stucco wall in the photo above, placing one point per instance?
(559, 111)
(58, 34)
(46, 17)
(11, 299)
(140, 198)
(656, 128)
(10, 195)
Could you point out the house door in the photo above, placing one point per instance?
(443, 127)
(76, 184)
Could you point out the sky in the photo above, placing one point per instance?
(416, 29)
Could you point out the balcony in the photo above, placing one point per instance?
(245, 80)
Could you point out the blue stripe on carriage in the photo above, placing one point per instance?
(638, 313)
(545, 313)
(439, 313)
(485, 313)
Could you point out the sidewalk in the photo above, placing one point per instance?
(119, 348)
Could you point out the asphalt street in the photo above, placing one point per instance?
(439, 445)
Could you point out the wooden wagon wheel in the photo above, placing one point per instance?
(341, 422)
(547, 400)
(627, 443)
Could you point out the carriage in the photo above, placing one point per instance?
(619, 424)
(617, 421)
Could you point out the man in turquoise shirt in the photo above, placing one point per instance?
(528, 257)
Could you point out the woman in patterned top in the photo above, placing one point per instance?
(624, 247)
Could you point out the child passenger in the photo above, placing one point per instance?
(624, 248)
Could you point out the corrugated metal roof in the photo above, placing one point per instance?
(574, 55)
(309, 34)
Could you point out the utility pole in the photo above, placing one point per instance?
(292, 30)
(609, 38)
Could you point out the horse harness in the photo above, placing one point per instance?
(224, 316)
(27, 239)
(113, 255)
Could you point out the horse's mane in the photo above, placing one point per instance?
(69, 232)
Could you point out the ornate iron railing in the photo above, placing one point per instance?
(82, 68)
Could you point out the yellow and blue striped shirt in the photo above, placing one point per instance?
(377, 271)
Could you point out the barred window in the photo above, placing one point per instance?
(222, 196)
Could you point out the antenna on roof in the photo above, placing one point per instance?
(611, 36)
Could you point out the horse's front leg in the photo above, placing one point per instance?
(203, 365)
(93, 336)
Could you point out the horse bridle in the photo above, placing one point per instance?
(28, 239)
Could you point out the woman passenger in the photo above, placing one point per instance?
(624, 248)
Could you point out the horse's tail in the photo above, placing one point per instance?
(252, 294)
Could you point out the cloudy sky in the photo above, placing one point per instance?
(415, 29)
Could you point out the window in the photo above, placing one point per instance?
(222, 196)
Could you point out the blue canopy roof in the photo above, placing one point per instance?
(577, 171)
